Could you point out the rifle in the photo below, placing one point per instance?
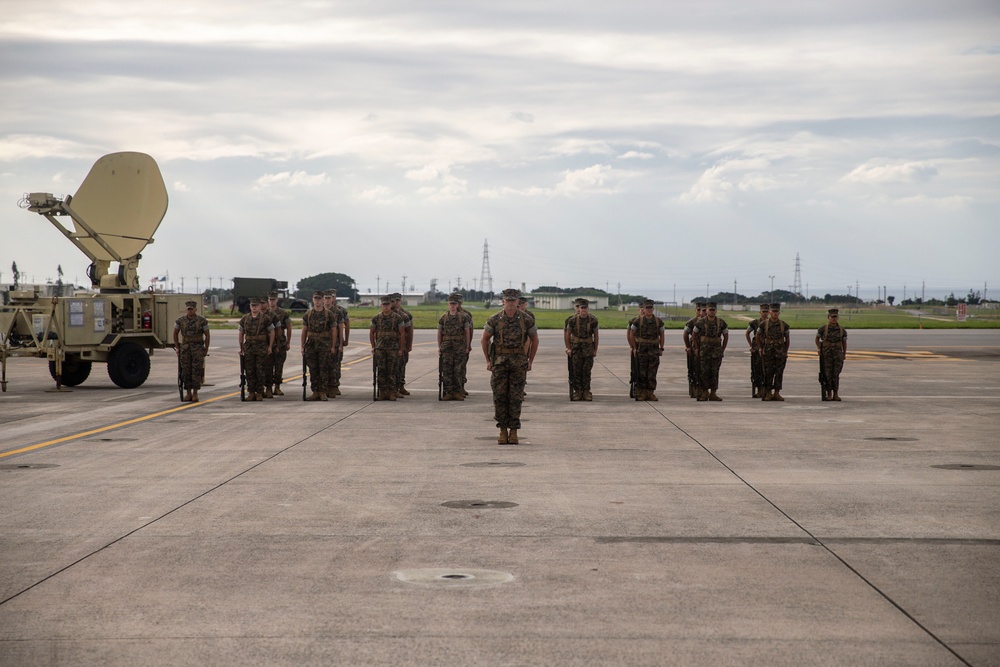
(243, 379)
(180, 376)
(305, 373)
(692, 368)
(374, 377)
(633, 373)
(440, 376)
(823, 382)
(569, 365)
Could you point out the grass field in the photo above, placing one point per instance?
(426, 317)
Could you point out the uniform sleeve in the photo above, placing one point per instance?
(532, 329)
(724, 328)
(177, 324)
(488, 327)
(204, 324)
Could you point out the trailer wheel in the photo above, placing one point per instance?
(75, 371)
(128, 365)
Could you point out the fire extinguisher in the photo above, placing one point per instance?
(147, 320)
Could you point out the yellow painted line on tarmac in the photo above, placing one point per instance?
(137, 420)
(878, 355)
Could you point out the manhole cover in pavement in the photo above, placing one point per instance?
(966, 466)
(27, 466)
(478, 504)
(493, 464)
(438, 577)
(111, 440)
(891, 438)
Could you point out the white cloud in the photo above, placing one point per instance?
(522, 116)
(878, 172)
(180, 186)
(290, 179)
(379, 193)
(719, 182)
(636, 155)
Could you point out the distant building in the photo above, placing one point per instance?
(558, 301)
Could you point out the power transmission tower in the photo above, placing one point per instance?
(486, 278)
(797, 284)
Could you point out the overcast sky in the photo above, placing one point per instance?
(651, 144)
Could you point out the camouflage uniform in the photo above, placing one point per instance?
(464, 366)
(389, 331)
(191, 349)
(581, 331)
(256, 338)
(321, 329)
(832, 338)
(406, 343)
(453, 331)
(282, 320)
(711, 334)
(647, 334)
(774, 346)
(756, 367)
(695, 385)
(510, 365)
(345, 320)
(268, 380)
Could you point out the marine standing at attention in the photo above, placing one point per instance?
(319, 341)
(646, 337)
(509, 343)
(694, 374)
(581, 337)
(191, 341)
(268, 377)
(344, 320)
(256, 339)
(465, 360)
(406, 344)
(756, 370)
(775, 339)
(711, 339)
(454, 338)
(831, 342)
(387, 335)
(282, 341)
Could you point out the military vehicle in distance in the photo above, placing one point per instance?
(115, 212)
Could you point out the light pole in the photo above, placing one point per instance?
(770, 295)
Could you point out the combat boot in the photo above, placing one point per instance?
(826, 395)
(575, 396)
(314, 397)
(457, 397)
(587, 396)
(336, 391)
(194, 396)
(650, 396)
(777, 396)
(502, 439)
(392, 396)
(187, 396)
(766, 396)
(277, 390)
(512, 437)
(836, 396)
(402, 392)
(463, 392)
(702, 395)
(267, 393)
(756, 393)
(712, 396)
(322, 396)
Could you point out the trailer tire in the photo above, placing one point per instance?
(75, 371)
(128, 365)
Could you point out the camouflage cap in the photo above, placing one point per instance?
(455, 298)
(254, 301)
(583, 303)
(330, 292)
(190, 304)
(273, 294)
(522, 299)
(775, 307)
(833, 311)
(318, 294)
(765, 306)
(648, 303)
(511, 294)
(387, 299)
(396, 296)
(700, 304)
(712, 305)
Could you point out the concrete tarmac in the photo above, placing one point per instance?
(140, 530)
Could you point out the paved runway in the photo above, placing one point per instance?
(138, 530)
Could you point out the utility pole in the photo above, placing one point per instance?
(734, 293)
(403, 290)
(770, 295)
(182, 283)
(485, 276)
(923, 291)
(857, 290)
(378, 282)
(797, 284)
(619, 295)
(197, 287)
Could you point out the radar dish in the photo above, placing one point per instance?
(123, 200)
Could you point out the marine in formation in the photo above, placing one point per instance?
(581, 337)
(320, 339)
(645, 340)
(256, 340)
(689, 336)
(774, 336)
(509, 343)
(387, 336)
(831, 343)
(282, 344)
(756, 363)
(191, 342)
(454, 337)
(711, 336)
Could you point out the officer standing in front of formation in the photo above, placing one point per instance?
(711, 339)
(646, 337)
(756, 370)
(694, 374)
(256, 339)
(509, 343)
(282, 341)
(319, 341)
(454, 340)
(831, 342)
(581, 337)
(387, 336)
(191, 341)
(406, 343)
(344, 318)
(775, 338)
